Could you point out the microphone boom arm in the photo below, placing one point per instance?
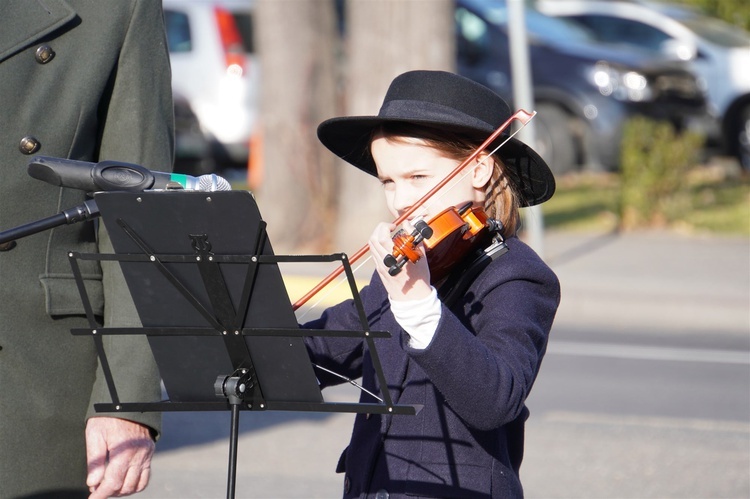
(86, 211)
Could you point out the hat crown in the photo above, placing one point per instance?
(460, 101)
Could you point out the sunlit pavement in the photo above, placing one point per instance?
(645, 391)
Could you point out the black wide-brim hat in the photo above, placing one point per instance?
(445, 101)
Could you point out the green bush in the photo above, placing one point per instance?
(736, 12)
(655, 161)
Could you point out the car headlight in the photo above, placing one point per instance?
(622, 85)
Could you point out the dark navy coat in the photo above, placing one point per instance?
(472, 381)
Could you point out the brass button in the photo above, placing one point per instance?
(29, 145)
(7, 246)
(44, 54)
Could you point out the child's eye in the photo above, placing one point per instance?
(419, 179)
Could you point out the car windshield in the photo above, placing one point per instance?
(548, 29)
(717, 32)
(712, 29)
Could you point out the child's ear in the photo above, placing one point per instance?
(482, 172)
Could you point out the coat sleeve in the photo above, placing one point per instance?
(485, 362)
(137, 126)
(345, 355)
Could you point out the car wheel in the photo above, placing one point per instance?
(555, 141)
(743, 139)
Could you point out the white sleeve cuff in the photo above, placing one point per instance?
(419, 318)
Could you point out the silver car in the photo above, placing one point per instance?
(717, 52)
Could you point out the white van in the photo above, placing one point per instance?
(214, 67)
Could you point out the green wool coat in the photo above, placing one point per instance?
(87, 80)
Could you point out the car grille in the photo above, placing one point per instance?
(682, 86)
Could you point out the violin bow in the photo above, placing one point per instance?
(521, 116)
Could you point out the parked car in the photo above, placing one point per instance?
(215, 69)
(584, 91)
(718, 52)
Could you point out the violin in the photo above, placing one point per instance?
(448, 238)
(522, 116)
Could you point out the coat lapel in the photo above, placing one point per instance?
(30, 20)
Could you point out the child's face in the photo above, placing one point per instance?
(408, 169)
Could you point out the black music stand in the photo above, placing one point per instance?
(213, 305)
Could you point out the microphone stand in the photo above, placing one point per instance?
(86, 211)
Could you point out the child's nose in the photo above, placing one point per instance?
(403, 198)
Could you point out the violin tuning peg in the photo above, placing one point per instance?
(390, 261)
(395, 269)
(495, 225)
(424, 230)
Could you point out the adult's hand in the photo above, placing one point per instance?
(118, 453)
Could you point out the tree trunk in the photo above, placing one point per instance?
(384, 39)
(297, 46)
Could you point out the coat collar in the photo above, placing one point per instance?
(29, 21)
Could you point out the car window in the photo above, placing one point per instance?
(617, 30)
(474, 41)
(553, 30)
(471, 27)
(244, 23)
(178, 31)
(718, 32)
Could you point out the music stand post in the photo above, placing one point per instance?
(218, 342)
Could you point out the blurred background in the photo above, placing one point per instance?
(252, 79)
(643, 115)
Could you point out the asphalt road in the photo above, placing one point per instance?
(644, 393)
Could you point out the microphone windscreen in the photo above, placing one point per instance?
(213, 182)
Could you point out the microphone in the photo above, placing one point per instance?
(117, 176)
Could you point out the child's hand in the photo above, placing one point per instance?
(413, 282)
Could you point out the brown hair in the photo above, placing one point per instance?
(502, 201)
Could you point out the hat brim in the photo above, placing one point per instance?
(349, 138)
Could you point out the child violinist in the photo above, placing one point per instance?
(469, 358)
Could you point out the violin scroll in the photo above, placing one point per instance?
(405, 247)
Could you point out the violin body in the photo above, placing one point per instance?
(452, 234)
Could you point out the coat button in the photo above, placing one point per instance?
(382, 494)
(44, 54)
(7, 246)
(347, 484)
(29, 145)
